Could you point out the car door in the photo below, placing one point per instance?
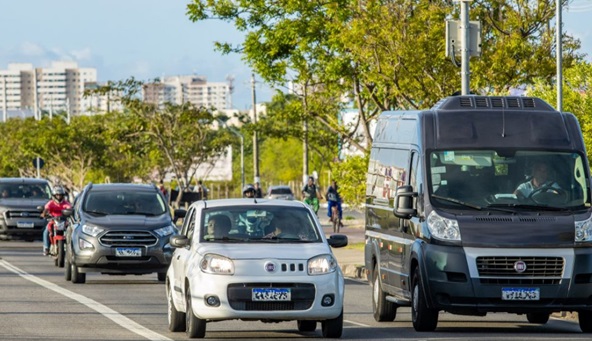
(181, 255)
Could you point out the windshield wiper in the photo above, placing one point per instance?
(456, 201)
(149, 214)
(226, 239)
(532, 207)
(96, 212)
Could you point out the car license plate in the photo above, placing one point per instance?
(521, 294)
(25, 225)
(128, 252)
(271, 294)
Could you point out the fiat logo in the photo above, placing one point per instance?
(520, 266)
(269, 267)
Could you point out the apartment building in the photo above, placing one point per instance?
(189, 88)
(29, 91)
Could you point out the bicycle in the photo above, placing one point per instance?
(335, 221)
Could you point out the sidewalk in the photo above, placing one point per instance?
(351, 257)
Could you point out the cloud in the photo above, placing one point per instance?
(31, 49)
(42, 56)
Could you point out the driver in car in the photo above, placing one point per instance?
(540, 180)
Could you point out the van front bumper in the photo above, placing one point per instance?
(471, 280)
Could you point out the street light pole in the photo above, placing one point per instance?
(559, 58)
(255, 137)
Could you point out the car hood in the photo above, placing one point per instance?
(125, 222)
(21, 203)
(265, 250)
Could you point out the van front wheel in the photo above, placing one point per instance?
(383, 310)
(585, 320)
(424, 319)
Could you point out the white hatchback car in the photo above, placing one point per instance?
(254, 259)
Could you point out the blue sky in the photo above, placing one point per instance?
(151, 38)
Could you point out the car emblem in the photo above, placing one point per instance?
(24, 214)
(269, 267)
(520, 266)
(128, 237)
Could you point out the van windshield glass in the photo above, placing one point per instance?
(519, 179)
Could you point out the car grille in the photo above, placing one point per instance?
(239, 297)
(539, 270)
(23, 214)
(128, 238)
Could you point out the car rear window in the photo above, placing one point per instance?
(281, 191)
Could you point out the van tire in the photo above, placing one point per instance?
(424, 319)
(538, 318)
(382, 309)
(585, 320)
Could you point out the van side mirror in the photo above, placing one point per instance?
(404, 202)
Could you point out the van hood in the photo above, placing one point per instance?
(254, 250)
(22, 203)
(126, 222)
(517, 231)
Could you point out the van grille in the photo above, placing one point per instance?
(128, 238)
(536, 267)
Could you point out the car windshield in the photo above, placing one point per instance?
(516, 179)
(285, 190)
(147, 203)
(263, 224)
(21, 190)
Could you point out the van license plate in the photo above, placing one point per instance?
(521, 294)
(128, 252)
(271, 294)
(25, 225)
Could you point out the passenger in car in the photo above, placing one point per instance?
(218, 227)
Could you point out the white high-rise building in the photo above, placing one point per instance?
(188, 88)
(60, 87)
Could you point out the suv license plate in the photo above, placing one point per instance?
(128, 252)
(521, 294)
(271, 294)
(25, 225)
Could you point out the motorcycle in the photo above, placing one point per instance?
(57, 239)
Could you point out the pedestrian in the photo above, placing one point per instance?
(258, 193)
(202, 190)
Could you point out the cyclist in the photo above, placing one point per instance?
(311, 194)
(334, 199)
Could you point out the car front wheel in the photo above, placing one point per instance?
(195, 327)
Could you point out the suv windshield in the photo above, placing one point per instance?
(259, 224)
(518, 178)
(121, 202)
(21, 190)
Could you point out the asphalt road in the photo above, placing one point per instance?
(36, 303)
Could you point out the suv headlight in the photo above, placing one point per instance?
(322, 264)
(443, 228)
(165, 231)
(216, 264)
(584, 230)
(92, 230)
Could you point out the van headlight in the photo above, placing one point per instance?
(584, 230)
(165, 231)
(92, 230)
(216, 264)
(443, 228)
(322, 264)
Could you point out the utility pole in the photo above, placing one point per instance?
(464, 27)
(559, 57)
(255, 137)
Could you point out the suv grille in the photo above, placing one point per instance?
(539, 270)
(128, 238)
(23, 214)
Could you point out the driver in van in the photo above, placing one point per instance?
(541, 178)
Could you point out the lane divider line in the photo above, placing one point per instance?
(109, 313)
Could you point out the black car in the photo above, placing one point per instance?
(119, 229)
(19, 199)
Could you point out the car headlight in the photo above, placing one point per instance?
(216, 264)
(322, 264)
(584, 230)
(91, 230)
(165, 231)
(443, 228)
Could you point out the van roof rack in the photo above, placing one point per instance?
(492, 102)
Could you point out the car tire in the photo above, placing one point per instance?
(307, 325)
(77, 277)
(61, 254)
(382, 309)
(538, 318)
(176, 318)
(161, 276)
(585, 320)
(67, 270)
(195, 327)
(424, 319)
(333, 328)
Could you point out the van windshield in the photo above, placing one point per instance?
(516, 178)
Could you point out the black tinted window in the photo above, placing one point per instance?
(281, 191)
(131, 202)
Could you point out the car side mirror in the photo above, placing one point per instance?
(179, 241)
(404, 202)
(337, 240)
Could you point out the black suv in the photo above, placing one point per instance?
(19, 199)
(119, 229)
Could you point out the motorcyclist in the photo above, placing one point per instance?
(248, 191)
(53, 208)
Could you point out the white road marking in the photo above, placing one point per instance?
(92, 304)
(356, 323)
